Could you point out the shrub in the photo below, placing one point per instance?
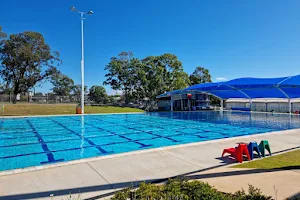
(253, 194)
(122, 195)
(185, 190)
(199, 190)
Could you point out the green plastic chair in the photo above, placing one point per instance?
(264, 144)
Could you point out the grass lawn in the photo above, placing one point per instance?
(289, 159)
(58, 109)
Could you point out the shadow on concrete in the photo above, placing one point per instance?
(113, 186)
(231, 160)
(226, 159)
(117, 186)
(240, 172)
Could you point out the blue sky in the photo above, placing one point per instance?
(231, 38)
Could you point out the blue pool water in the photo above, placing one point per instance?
(38, 141)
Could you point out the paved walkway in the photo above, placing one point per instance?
(280, 184)
(103, 175)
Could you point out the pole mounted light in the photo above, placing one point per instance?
(82, 53)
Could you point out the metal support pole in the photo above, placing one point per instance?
(290, 105)
(171, 104)
(207, 101)
(222, 106)
(82, 66)
(82, 54)
(181, 102)
(289, 99)
(250, 104)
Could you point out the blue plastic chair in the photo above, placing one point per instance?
(253, 146)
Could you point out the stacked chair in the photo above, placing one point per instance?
(248, 150)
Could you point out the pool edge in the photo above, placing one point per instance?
(68, 115)
(85, 160)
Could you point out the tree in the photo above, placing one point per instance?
(63, 85)
(145, 78)
(200, 75)
(111, 99)
(137, 81)
(2, 34)
(77, 91)
(38, 94)
(164, 73)
(3, 88)
(51, 97)
(120, 74)
(26, 60)
(98, 94)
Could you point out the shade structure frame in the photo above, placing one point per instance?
(249, 88)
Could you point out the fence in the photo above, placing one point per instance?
(149, 105)
(45, 99)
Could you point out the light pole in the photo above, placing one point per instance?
(82, 54)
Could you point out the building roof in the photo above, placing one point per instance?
(174, 92)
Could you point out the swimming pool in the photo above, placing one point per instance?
(35, 141)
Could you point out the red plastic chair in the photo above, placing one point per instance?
(238, 152)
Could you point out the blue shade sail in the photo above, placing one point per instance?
(282, 87)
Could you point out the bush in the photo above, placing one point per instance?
(185, 190)
(253, 194)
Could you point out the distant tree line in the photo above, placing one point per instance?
(26, 61)
(150, 76)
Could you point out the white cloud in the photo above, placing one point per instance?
(221, 79)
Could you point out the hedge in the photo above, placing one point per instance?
(178, 189)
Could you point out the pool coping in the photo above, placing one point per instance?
(68, 115)
(143, 112)
(239, 111)
(85, 160)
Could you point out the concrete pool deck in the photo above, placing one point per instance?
(97, 177)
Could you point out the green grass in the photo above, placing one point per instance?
(58, 109)
(289, 159)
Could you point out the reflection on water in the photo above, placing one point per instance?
(270, 120)
(82, 135)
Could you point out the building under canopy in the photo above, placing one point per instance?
(183, 100)
(252, 88)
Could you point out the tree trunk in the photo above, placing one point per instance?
(15, 93)
(126, 97)
(14, 99)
